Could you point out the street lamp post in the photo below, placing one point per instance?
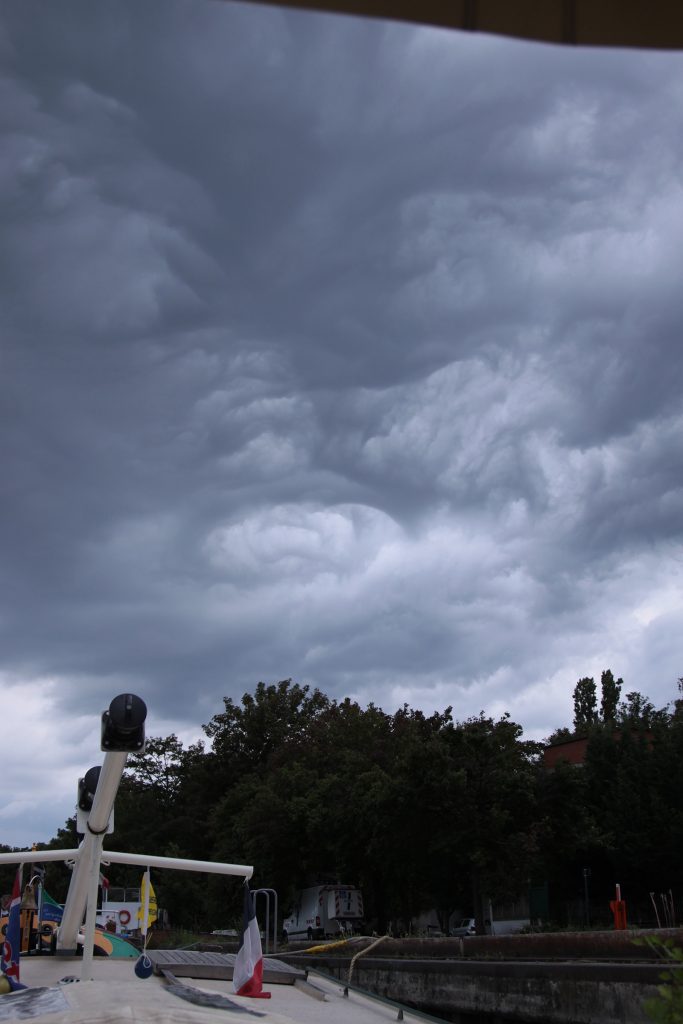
(586, 876)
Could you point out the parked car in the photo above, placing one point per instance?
(466, 927)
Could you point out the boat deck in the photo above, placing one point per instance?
(116, 995)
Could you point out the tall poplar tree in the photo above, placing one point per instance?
(611, 691)
(585, 704)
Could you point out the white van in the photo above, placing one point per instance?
(324, 910)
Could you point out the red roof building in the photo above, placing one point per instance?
(572, 751)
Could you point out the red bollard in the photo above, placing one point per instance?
(618, 908)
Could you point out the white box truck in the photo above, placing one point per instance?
(324, 910)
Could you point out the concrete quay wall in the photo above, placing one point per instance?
(470, 992)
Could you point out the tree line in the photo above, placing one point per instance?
(421, 811)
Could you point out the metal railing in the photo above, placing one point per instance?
(268, 893)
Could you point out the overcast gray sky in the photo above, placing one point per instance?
(332, 350)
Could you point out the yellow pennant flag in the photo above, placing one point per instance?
(151, 905)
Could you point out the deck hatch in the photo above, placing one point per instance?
(190, 963)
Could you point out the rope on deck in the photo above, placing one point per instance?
(360, 953)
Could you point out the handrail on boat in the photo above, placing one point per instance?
(141, 859)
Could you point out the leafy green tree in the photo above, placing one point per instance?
(664, 745)
(560, 735)
(419, 810)
(56, 876)
(162, 768)
(151, 794)
(678, 704)
(411, 809)
(7, 871)
(495, 828)
(244, 737)
(299, 815)
(634, 778)
(585, 704)
(636, 710)
(569, 836)
(621, 812)
(610, 692)
(668, 1007)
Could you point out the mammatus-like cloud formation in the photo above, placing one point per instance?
(334, 350)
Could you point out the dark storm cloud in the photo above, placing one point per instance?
(333, 350)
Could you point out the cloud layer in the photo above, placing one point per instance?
(334, 350)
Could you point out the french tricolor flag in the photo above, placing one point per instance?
(247, 977)
(9, 961)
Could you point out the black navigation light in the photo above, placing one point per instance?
(86, 788)
(123, 725)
